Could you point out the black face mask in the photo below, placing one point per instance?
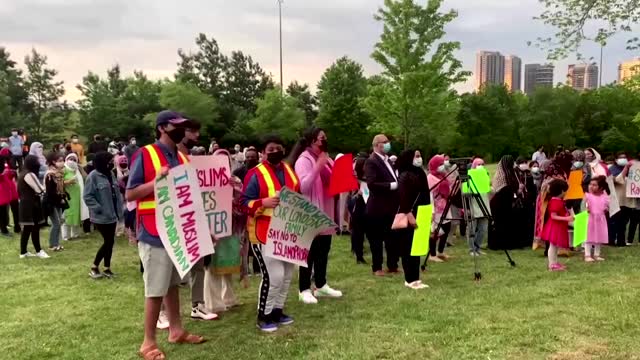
(275, 157)
(176, 135)
(324, 146)
(251, 163)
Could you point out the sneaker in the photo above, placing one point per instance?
(163, 321)
(598, 258)
(326, 291)
(629, 243)
(108, 273)
(281, 318)
(95, 273)
(473, 254)
(26, 255)
(200, 312)
(307, 297)
(42, 255)
(589, 259)
(556, 267)
(416, 285)
(435, 259)
(267, 326)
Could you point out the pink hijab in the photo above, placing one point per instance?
(434, 164)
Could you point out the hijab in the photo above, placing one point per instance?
(434, 164)
(505, 175)
(477, 162)
(37, 150)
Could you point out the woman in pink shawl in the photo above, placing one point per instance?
(440, 191)
(314, 167)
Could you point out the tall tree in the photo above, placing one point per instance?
(278, 114)
(340, 92)
(191, 101)
(245, 81)
(205, 67)
(418, 70)
(578, 20)
(44, 92)
(306, 101)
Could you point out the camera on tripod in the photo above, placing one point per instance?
(462, 166)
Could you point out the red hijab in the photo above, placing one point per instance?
(434, 164)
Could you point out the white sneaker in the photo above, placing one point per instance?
(163, 321)
(26, 255)
(326, 291)
(200, 312)
(42, 255)
(416, 285)
(307, 297)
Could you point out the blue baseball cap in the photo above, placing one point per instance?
(172, 117)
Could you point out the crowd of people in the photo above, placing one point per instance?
(109, 188)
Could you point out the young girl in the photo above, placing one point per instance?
(597, 205)
(56, 198)
(556, 223)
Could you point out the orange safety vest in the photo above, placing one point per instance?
(258, 225)
(153, 160)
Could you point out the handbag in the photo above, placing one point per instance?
(401, 221)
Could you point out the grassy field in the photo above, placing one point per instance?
(50, 309)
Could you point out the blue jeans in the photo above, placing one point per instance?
(56, 227)
(479, 228)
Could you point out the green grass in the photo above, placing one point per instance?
(50, 309)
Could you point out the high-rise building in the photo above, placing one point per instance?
(513, 72)
(628, 69)
(536, 75)
(489, 68)
(583, 76)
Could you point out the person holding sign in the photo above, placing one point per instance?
(161, 278)
(413, 189)
(261, 197)
(314, 167)
(597, 206)
(556, 225)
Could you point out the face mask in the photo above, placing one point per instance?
(72, 165)
(417, 162)
(622, 162)
(442, 169)
(524, 167)
(324, 145)
(535, 169)
(176, 135)
(75, 141)
(386, 148)
(447, 163)
(133, 142)
(237, 148)
(14, 133)
(481, 166)
(275, 157)
(60, 164)
(251, 163)
(578, 164)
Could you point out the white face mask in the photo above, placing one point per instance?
(447, 163)
(442, 169)
(622, 162)
(417, 162)
(237, 148)
(523, 167)
(535, 169)
(14, 133)
(481, 166)
(75, 141)
(133, 142)
(72, 165)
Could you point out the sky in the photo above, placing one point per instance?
(92, 35)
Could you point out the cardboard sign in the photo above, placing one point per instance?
(580, 228)
(633, 181)
(420, 244)
(575, 191)
(481, 180)
(342, 178)
(214, 177)
(294, 225)
(180, 218)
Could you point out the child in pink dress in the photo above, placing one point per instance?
(556, 223)
(597, 206)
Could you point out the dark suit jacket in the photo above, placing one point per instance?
(382, 201)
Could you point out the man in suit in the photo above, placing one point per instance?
(382, 205)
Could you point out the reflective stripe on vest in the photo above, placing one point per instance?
(157, 165)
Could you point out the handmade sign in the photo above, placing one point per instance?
(342, 177)
(633, 181)
(214, 176)
(180, 218)
(294, 224)
(575, 191)
(420, 244)
(580, 228)
(481, 180)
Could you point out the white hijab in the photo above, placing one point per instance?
(74, 167)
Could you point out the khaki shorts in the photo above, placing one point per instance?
(159, 272)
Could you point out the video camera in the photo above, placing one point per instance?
(462, 165)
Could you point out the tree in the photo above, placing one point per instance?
(16, 105)
(418, 71)
(191, 101)
(278, 114)
(44, 93)
(306, 101)
(204, 68)
(245, 81)
(578, 20)
(340, 91)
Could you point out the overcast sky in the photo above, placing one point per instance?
(83, 35)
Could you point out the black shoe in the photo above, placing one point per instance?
(95, 273)
(361, 261)
(108, 273)
(17, 230)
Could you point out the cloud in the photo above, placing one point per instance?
(91, 35)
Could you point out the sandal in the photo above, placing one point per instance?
(152, 353)
(187, 338)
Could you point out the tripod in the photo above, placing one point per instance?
(468, 217)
